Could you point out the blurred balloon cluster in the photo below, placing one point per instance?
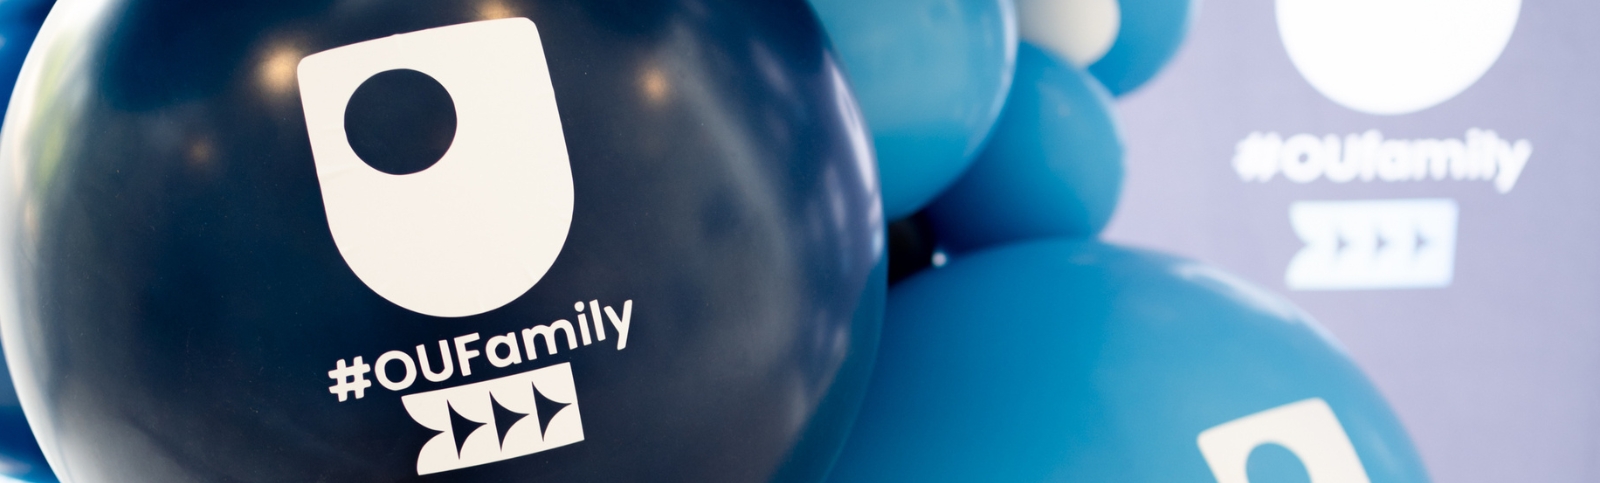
(1019, 347)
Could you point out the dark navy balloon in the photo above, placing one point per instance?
(20, 457)
(1053, 167)
(1065, 360)
(440, 240)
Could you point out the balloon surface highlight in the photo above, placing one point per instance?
(1052, 169)
(1063, 360)
(931, 76)
(20, 456)
(238, 240)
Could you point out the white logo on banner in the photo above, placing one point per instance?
(1373, 244)
(1394, 56)
(1307, 428)
(497, 420)
(483, 225)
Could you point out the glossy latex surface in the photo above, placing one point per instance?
(1150, 34)
(20, 457)
(932, 76)
(1079, 361)
(177, 302)
(1052, 169)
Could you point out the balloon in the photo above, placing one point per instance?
(1081, 31)
(931, 76)
(1053, 168)
(1061, 360)
(1151, 32)
(551, 240)
(20, 457)
(1124, 42)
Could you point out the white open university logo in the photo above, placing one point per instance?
(1392, 57)
(1308, 428)
(497, 420)
(482, 225)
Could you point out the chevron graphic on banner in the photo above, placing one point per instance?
(1373, 244)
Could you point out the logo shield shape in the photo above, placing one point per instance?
(483, 224)
(1307, 428)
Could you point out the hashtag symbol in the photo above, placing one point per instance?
(350, 379)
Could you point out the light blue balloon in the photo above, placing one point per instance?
(1062, 360)
(931, 77)
(1151, 32)
(1053, 167)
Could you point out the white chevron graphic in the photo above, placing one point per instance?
(1373, 244)
(485, 440)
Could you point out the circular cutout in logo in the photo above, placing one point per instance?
(1392, 57)
(400, 121)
